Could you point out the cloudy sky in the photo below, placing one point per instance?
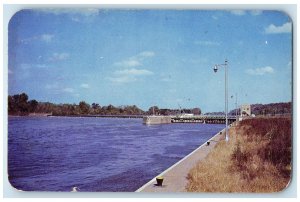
(150, 57)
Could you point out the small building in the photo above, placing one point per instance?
(246, 110)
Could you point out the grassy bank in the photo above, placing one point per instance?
(257, 158)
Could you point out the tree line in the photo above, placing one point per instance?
(268, 109)
(272, 108)
(20, 105)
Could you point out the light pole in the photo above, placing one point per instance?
(226, 95)
(236, 108)
(236, 116)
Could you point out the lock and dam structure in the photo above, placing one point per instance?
(159, 119)
(188, 119)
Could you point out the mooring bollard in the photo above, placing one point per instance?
(159, 180)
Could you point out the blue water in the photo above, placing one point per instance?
(95, 154)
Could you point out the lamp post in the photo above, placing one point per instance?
(236, 114)
(226, 95)
(236, 109)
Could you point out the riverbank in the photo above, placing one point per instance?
(175, 177)
(256, 159)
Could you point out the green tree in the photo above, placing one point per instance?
(23, 104)
(12, 105)
(32, 105)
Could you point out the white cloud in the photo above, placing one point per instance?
(52, 86)
(85, 85)
(133, 72)
(57, 88)
(71, 11)
(129, 75)
(44, 38)
(207, 43)
(47, 37)
(136, 60)
(129, 63)
(273, 29)
(238, 12)
(260, 71)
(59, 56)
(68, 90)
(79, 15)
(122, 79)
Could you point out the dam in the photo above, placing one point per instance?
(157, 119)
(188, 119)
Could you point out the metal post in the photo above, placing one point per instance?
(226, 95)
(236, 117)
(226, 100)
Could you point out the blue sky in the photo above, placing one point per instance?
(150, 57)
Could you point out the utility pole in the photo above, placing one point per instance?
(226, 94)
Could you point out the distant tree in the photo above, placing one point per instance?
(18, 104)
(96, 108)
(164, 111)
(196, 111)
(112, 110)
(132, 110)
(153, 110)
(12, 105)
(23, 104)
(84, 107)
(32, 105)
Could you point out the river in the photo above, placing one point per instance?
(95, 154)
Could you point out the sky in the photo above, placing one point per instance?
(150, 57)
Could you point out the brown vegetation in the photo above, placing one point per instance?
(257, 158)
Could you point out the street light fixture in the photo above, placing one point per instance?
(226, 95)
(216, 68)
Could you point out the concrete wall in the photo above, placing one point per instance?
(156, 119)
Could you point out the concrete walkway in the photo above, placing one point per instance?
(175, 177)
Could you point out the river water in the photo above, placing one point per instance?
(95, 154)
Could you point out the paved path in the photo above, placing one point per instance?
(175, 177)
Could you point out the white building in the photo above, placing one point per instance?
(245, 110)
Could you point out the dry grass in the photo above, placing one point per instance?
(257, 158)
